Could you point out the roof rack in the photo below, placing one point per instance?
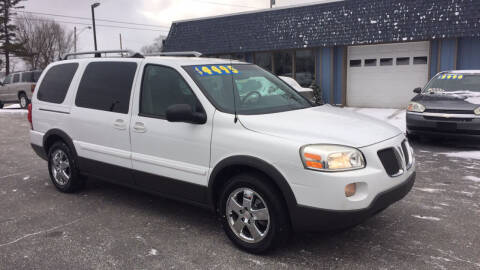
(189, 53)
(99, 53)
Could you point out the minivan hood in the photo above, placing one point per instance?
(324, 124)
(459, 100)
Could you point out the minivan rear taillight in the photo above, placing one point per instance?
(30, 115)
(33, 87)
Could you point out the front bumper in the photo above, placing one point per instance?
(443, 124)
(314, 219)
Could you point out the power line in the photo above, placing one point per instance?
(222, 4)
(85, 18)
(101, 25)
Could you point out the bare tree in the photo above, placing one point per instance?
(155, 47)
(43, 40)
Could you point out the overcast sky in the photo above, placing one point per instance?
(159, 13)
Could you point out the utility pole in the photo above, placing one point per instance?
(93, 6)
(74, 39)
(121, 47)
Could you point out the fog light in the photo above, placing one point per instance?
(350, 189)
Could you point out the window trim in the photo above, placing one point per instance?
(141, 93)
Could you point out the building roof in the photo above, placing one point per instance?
(350, 22)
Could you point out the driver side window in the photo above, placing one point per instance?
(163, 87)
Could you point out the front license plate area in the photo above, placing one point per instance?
(443, 126)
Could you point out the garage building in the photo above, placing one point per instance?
(365, 53)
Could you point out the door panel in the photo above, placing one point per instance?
(163, 149)
(101, 119)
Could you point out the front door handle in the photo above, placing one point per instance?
(119, 124)
(139, 127)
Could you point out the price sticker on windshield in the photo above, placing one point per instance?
(451, 77)
(215, 70)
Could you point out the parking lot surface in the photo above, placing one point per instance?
(437, 226)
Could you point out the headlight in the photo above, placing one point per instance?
(477, 111)
(415, 107)
(331, 158)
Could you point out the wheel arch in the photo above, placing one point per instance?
(54, 135)
(237, 164)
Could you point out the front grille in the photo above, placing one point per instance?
(405, 153)
(449, 111)
(396, 160)
(389, 159)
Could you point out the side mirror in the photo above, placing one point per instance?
(184, 113)
(417, 90)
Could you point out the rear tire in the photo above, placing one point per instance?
(23, 100)
(249, 202)
(63, 169)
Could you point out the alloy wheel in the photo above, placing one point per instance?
(60, 167)
(248, 215)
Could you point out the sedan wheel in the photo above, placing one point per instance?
(23, 101)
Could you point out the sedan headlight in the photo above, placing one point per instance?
(477, 111)
(331, 158)
(415, 107)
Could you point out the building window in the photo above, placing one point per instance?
(386, 62)
(304, 67)
(283, 63)
(370, 62)
(403, 61)
(420, 60)
(238, 56)
(264, 60)
(355, 63)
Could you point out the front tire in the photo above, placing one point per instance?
(23, 100)
(63, 170)
(253, 213)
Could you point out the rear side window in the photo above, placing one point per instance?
(16, 78)
(106, 86)
(56, 82)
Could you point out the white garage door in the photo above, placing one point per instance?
(384, 76)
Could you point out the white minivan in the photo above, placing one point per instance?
(220, 134)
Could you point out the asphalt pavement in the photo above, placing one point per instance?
(437, 226)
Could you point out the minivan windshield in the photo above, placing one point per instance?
(256, 90)
(454, 84)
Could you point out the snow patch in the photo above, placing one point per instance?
(426, 218)
(472, 178)
(26, 177)
(430, 190)
(152, 252)
(464, 154)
